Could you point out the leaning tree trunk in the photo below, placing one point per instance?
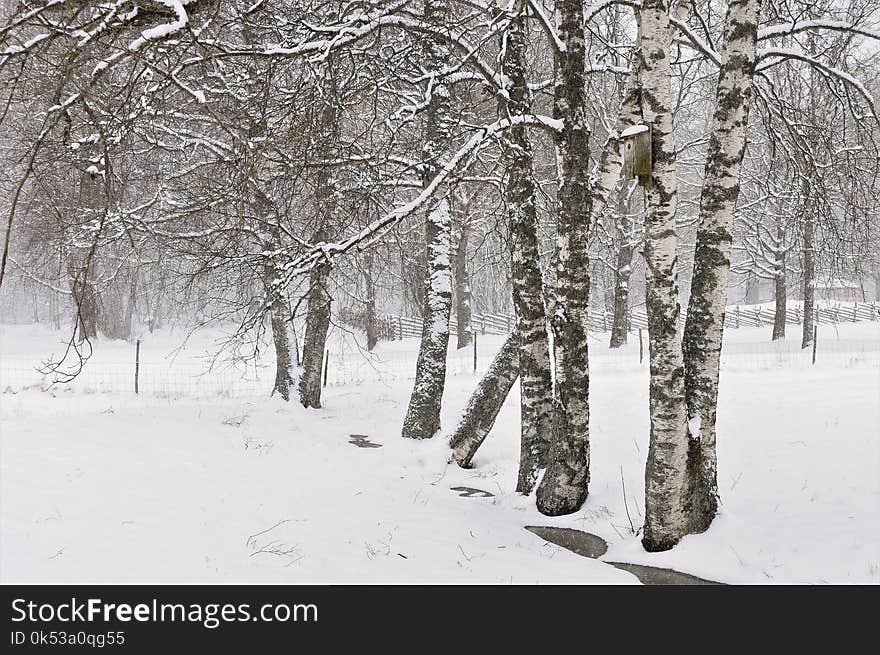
(464, 329)
(485, 403)
(704, 328)
(563, 488)
(423, 414)
(665, 472)
(536, 385)
(780, 296)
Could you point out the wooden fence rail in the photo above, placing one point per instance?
(391, 327)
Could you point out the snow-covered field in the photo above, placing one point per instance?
(203, 478)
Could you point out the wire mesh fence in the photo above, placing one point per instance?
(347, 363)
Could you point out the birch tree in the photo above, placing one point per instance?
(704, 326)
(536, 404)
(423, 414)
(563, 488)
(665, 472)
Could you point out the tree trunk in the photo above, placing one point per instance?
(780, 296)
(285, 370)
(704, 329)
(485, 403)
(809, 257)
(463, 288)
(665, 477)
(370, 320)
(536, 397)
(85, 301)
(130, 305)
(423, 414)
(315, 340)
(622, 273)
(563, 488)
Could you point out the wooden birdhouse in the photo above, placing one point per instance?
(637, 156)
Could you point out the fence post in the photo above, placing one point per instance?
(737, 317)
(815, 335)
(326, 365)
(399, 329)
(641, 347)
(475, 351)
(137, 364)
(484, 324)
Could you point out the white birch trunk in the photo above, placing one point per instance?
(564, 487)
(536, 398)
(705, 318)
(665, 472)
(423, 414)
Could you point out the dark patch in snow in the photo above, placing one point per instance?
(361, 441)
(592, 546)
(652, 575)
(578, 542)
(470, 492)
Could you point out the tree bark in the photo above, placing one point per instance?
(370, 320)
(327, 204)
(665, 472)
(285, 378)
(536, 385)
(809, 260)
(485, 403)
(780, 296)
(315, 340)
(564, 487)
(423, 414)
(622, 273)
(704, 328)
(464, 329)
(85, 301)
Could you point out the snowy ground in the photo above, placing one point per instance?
(203, 478)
